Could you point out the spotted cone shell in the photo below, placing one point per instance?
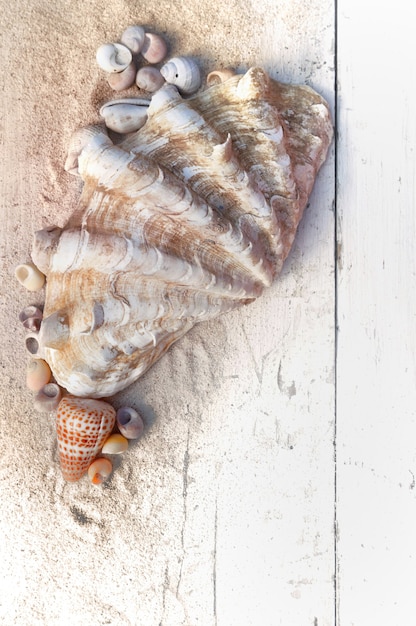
(82, 426)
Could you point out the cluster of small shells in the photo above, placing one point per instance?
(121, 60)
(72, 413)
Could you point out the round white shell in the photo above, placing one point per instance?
(182, 72)
(125, 115)
(113, 57)
(133, 38)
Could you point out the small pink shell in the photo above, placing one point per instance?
(149, 78)
(154, 48)
(123, 80)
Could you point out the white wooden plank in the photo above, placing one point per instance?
(376, 393)
(223, 515)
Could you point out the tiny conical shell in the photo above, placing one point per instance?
(31, 318)
(115, 444)
(182, 72)
(126, 115)
(38, 374)
(113, 57)
(154, 49)
(129, 422)
(100, 470)
(149, 78)
(133, 38)
(123, 80)
(29, 276)
(48, 398)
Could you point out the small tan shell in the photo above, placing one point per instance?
(29, 276)
(115, 444)
(126, 115)
(48, 398)
(183, 72)
(133, 38)
(100, 470)
(154, 48)
(123, 80)
(219, 76)
(149, 78)
(38, 374)
(113, 57)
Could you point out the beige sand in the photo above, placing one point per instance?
(201, 523)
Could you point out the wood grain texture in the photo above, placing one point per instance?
(376, 397)
(223, 515)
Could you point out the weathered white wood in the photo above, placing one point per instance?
(376, 391)
(223, 515)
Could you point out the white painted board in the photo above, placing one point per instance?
(376, 391)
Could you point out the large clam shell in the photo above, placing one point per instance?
(189, 217)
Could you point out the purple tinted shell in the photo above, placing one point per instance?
(31, 317)
(48, 398)
(129, 423)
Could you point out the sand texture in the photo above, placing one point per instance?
(222, 515)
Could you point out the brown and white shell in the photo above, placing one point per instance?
(189, 217)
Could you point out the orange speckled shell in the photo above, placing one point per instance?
(82, 426)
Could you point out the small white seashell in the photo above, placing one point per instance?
(29, 276)
(123, 80)
(133, 38)
(115, 444)
(48, 398)
(149, 78)
(154, 48)
(38, 374)
(126, 115)
(182, 72)
(100, 470)
(31, 318)
(113, 57)
(219, 76)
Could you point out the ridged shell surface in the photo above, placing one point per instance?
(187, 218)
